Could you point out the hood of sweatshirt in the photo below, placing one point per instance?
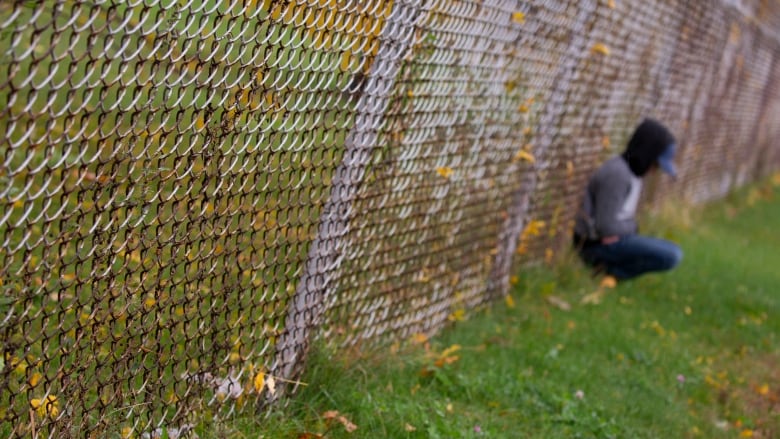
(649, 141)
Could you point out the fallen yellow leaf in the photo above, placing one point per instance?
(259, 382)
(525, 155)
(593, 298)
(518, 17)
(559, 303)
(334, 414)
(446, 360)
(35, 379)
(450, 350)
(419, 338)
(600, 48)
(49, 407)
(510, 302)
(534, 228)
(457, 316)
(444, 171)
(271, 383)
(608, 282)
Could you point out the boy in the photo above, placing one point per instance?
(606, 233)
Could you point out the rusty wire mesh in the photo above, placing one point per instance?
(192, 192)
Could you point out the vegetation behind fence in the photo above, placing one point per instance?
(193, 192)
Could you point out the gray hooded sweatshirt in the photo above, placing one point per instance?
(610, 201)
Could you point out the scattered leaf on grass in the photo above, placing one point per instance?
(593, 298)
(334, 414)
(419, 338)
(559, 303)
(410, 428)
(450, 350)
(608, 282)
(458, 315)
(446, 357)
(510, 302)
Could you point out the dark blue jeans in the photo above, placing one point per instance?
(632, 256)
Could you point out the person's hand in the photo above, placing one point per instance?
(607, 240)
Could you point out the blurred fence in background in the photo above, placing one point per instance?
(192, 192)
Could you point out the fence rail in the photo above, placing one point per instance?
(193, 192)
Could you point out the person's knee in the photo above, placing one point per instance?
(673, 257)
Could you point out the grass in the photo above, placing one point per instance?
(692, 353)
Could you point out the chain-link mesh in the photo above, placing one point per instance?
(192, 192)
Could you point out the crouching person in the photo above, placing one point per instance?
(606, 233)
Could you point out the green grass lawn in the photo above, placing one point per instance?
(693, 353)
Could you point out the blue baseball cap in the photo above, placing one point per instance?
(666, 160)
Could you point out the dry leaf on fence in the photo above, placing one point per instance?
(444, 171)
(525, 155)
(600, 48)
(259, 382)
(270, 382)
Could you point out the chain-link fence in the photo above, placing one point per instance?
(192, 192)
